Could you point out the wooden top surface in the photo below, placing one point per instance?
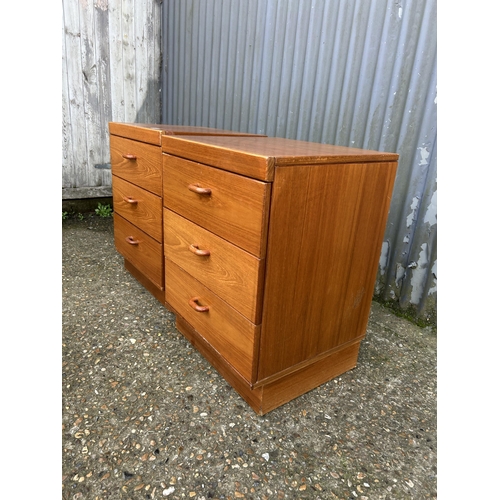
(153, 132)
(282, 151)
(258, 157)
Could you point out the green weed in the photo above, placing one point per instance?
(103, 210)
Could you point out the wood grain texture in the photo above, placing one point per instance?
(229, 271)
(146, 256)
(263, 399)
(138, 206)
(144, 171)
(307, 378)
(74, 143)
(325, 234)
(235, 210)
(230, 334)
(272, 281)
(257, 156)
(110, 71)
(134, 33)
(152, 133)
(204, 131)
(226, 369)
(220, 154)
(326, 219)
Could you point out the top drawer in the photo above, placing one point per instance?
(137, 162)
(232, 206)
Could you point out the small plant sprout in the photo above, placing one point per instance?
(103, 210)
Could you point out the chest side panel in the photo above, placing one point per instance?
(325, 234)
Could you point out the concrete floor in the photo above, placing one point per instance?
(145, 416)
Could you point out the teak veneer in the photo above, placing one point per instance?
(137, 184)
(267, 250)
(270, 262)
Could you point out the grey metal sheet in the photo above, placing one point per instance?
(345, 72)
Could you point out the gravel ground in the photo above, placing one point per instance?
(144, 416)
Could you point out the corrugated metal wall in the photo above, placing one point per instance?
(111, 64)
(349, 72)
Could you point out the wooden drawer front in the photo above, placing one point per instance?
(235, 208)
(138, 131)
(230, 333)
(230, 272)
(142, 208)
(136, 162)
(140, 249)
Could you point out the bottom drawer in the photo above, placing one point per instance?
(225, 329)
(140, 249)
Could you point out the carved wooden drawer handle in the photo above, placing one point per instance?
(196, 188)
(131, 240)
(194, 304)
(130, 200)
(129, 157)
(197, 251)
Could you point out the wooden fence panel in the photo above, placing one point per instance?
(111, 58)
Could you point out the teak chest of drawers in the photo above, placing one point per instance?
(266, 249)
(271, 248)
(137, 172)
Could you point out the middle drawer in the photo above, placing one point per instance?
(138, 206)
(235, 275)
